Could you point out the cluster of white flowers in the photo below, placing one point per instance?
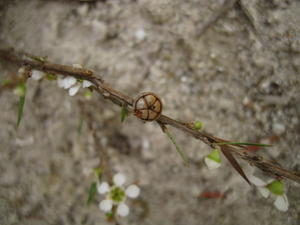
(67, 82)
(275, 189)
(72, 84)
(116, 194)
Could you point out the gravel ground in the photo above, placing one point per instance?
(240, 78)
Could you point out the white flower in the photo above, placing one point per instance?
(72, 84)
(274, 188)
(211, 164)
(116, 195)
(213, 160)
(68, 82)
(37, 75)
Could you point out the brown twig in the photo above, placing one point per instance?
(121, 99)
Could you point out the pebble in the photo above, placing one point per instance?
(278, 128)
(140, 34)
(99, 29)
(82, 10)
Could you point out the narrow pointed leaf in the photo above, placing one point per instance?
(88, 94)
(234, 163)
(80, 125)
(219, 140)
(37, 58)
(92, 192)
(178, 149)
(243, 143)
(51, 76)
(110, 216)
(98, 173)
(21, 103)
(124, 113)
(6, 82)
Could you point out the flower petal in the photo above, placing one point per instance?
(119, 179)
(264, 191)
(257, 181)
(69, 81)
(36, 74)
(122, 209)
(211, 164)
(132, 191)
(73, 90)
(60, 81)
(282, 203)
(106, 205)
(86, 84)
(103, 188)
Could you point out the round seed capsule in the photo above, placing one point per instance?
(147, 106)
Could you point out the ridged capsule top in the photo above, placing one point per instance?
(147, 106)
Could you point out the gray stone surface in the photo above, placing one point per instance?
(243, 85)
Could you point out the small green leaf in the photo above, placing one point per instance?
(244, 143)
(215, 155)
(92, 192)
(110, 215)
(98, 173)
(88, 94)
(79, 129)
(20, 89)
(51, 76)
(37, 58)
(21, 92)
(178, 149)
(124, 113)
(6, 82)
(276, 187)
(198, 125)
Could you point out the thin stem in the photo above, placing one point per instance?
(178, 149)
(121, 99)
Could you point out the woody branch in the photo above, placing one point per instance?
(117, 97)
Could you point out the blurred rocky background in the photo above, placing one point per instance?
(240, 78)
